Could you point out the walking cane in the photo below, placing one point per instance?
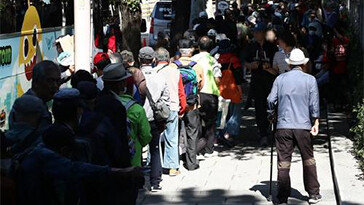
(271, 163)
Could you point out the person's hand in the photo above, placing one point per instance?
(129, 174)
(272, 117)
(72, 68)
(109, 52)
(315, 130)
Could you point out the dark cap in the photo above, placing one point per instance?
(88, 90)
(67, 94)
(57, 136)
(115, 72)
(28, 105)
(146, 53)
(260, 27)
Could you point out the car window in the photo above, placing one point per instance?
(163, 11)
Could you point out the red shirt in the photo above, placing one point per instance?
(340, 52)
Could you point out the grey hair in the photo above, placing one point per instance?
(161, 54)
(127, 56)
(116, 58)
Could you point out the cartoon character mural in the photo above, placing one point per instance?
(16, 74)
(29, 45)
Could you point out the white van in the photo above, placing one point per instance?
(161, 19)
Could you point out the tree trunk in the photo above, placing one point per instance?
(180, 23)
(130, 29)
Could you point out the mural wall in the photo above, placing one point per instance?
(18, 55)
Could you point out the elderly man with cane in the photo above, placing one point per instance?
(295, 96)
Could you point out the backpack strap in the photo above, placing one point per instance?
(129, 104)
(192, 63)
(178, 63)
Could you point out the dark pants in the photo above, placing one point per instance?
(262, 85)
(285, 143)
(155, 157)
(339, 84)
(193, 128)
(208, 114)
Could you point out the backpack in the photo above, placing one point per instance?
(131, 142)
(160, 109)
(189, 79)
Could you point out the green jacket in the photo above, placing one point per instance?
(140, 128)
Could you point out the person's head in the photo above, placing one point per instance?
(185, 47)
(146, 55)
(81, 75)
(114, 78)
(228, 14)
(128, 58)
(67, 107)
(270, 36)
(203, 15)
(205, 43)
(88, 93)
(312, 14)
(116, 58)
(286, 40)
(259, 32)
(234, 5)
(26, 110)
(59, 139)
(46, 79)
(212, 34)
(59, 48)
(101, 60)
(297, 59)
(162, 55)
(225, 46)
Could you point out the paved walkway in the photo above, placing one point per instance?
(240, 175)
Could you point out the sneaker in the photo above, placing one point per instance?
(314, 199)
(155, 188)
(191, 168)
(174, 172)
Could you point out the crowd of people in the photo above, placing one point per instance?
(169, 101)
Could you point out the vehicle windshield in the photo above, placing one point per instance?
(164, 11)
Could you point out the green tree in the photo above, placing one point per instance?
(131, 18)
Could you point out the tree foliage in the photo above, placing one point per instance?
(358, 130)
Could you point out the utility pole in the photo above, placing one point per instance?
(82, 18)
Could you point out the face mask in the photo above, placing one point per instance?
(311, 33)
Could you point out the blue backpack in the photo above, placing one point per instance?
(189, 79)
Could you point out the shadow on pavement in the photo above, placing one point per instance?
(193, 196)
(263, 188)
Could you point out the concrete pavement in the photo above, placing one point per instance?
(240, 175)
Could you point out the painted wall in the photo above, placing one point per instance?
(18, 55)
